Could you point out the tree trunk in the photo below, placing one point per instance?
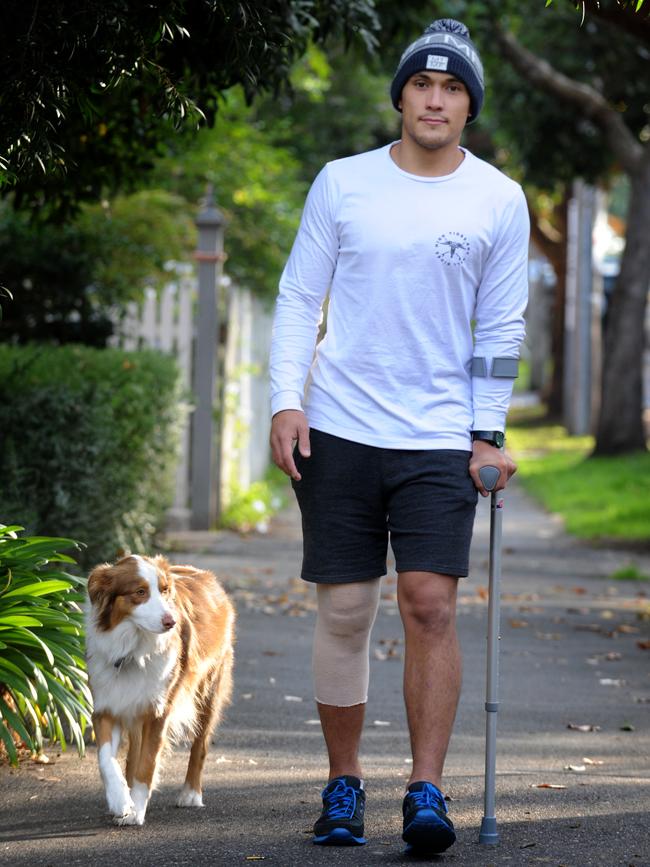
(620, 425)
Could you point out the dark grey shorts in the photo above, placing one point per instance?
(352, 496)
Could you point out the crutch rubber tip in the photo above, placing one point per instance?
(488, 834)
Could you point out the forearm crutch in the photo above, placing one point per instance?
(488, 833)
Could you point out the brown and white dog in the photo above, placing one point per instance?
(159, 649)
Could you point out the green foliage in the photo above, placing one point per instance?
(598, 497)
(339, 105)
(65, 278)
(89, 444)
(251, 509)
(43, 684)
(137, 236)
(630, 572)
(89, 91)
(257, 185)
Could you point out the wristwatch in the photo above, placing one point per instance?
(496, 438)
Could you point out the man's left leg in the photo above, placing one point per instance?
(432, 678)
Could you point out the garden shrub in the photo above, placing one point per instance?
(43, 683)
(88, 444)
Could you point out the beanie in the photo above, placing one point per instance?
(444, 46)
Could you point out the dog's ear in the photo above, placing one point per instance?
(99, 582)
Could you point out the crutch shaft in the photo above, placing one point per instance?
(488, 833)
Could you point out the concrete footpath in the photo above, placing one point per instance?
(573, 769)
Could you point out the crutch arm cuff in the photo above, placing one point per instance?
(501, 368)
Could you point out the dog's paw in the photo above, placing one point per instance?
(120, 803)
(130, 818)
(189, 798)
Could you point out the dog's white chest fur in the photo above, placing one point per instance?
(128, 668)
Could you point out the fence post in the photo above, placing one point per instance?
(205, 451)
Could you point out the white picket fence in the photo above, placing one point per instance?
(165, 321)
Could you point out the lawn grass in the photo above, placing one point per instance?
(598, 497)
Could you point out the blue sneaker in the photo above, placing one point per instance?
(341, 822)
(426, 824)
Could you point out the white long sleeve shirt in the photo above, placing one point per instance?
(423, 273)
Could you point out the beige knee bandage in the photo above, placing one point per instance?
(346, 613)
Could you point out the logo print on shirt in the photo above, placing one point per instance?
(452, 248)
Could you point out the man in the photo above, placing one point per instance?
(418, 243)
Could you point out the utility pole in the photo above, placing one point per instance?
(579, 311)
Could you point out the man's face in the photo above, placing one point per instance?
(435, 106)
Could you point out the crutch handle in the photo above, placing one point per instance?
(489, 476)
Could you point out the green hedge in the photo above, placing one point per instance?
(87, 444)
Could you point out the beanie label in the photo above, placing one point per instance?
(437, 61)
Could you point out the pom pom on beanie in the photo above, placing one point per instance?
(445, 46)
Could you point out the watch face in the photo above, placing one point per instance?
(499, 439)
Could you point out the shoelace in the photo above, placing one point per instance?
(428, 797)
(341, 801)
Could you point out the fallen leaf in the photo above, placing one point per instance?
(626, 629)
(607, 614)
(588, 761)
(256, 857)
(482, 592)
(547, 786)
(252, 762)
(579, 591)
(627, 727)
(583, 728)
(528, 845)
(611, 681)
(223, 760)
(270, 653)
(613, 655)
(548, 636)
(292, 698)
(518, 624)
(40, 759)
(644, 645)
(380, 655)
(576, 769)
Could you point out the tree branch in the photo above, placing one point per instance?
(587, 99)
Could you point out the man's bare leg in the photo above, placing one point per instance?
(342, 728)
(432, 667)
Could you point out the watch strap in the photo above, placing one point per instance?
(494, 437)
